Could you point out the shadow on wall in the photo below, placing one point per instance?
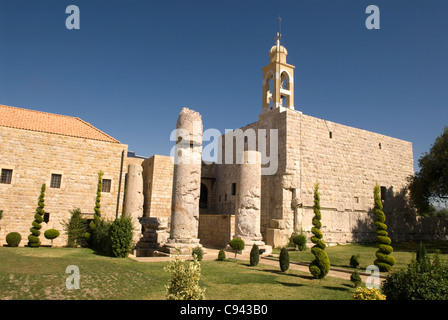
(402, 222)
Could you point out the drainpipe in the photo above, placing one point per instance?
(119, 184)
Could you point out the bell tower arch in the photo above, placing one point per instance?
(278, 80)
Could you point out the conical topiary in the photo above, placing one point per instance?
(284, 259)
(254, 255)
(33, 238)
(384, 261)
(320, 266)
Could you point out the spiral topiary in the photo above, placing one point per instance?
(383, 259)
(33, 238)
(320, 266)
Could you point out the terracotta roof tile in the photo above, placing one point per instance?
(51, 123)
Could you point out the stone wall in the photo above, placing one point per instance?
(215, 231)
(157, 186)
(34, 157)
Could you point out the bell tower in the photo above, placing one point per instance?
(278, 79)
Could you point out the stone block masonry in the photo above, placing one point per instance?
(34, 157)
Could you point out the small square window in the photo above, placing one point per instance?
(46, 217)
(6, 176)
(105, 185)
(55, 180)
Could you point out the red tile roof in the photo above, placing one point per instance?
(51, 123)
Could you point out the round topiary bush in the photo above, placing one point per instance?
(13, 239)
(51, 234)
(221, 255)
(198, 252)
(354, 261)
(237, 244)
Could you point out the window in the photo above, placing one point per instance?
(331, 135)
(106, 185)
(233, 189)
(383, 193)
(55, 180)
(46, 217)
(6, 176)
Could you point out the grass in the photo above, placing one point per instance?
(39, 274)
(340, 255)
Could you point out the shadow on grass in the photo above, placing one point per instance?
(336, 288)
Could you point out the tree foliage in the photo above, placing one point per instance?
(430, 184)
(384, 261)
(33, 238)
(320, 266)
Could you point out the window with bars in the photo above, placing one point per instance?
(55, 181)
(105, 185)
(6, 176)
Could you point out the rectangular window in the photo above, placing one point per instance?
(233, 189)
(383, 193)
(46, 217)
(6, 176)
(105, 187)
(55, 180)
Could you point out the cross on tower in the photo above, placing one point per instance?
(279, 34)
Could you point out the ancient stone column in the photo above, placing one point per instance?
(133, 198)
(186, 183)
(248, 201)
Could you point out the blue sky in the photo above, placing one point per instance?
(133, 65)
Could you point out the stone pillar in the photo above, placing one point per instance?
(133, 198)
(248, 201)
(186, 183)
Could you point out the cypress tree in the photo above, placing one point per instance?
(383, 259)
(97, 209)
(33, 238)
(284, 259)
(320, 266)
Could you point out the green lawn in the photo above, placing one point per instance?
(39, 273)
(340, 255)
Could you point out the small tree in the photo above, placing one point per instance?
(237, 244)
(383, 259)
(13, 239)
(284, 259)
(184, 282)
(354, 261)
(355, 278)
(254, 255)
(320, 266)
(300, 242)
(33, 238)
(76, 229)
(97, 209)
(198, 252)
(51, 234)
(120, 232)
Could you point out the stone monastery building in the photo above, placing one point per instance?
(67, 153)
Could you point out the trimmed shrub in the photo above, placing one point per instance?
(284, 259)
(33, 238)
(184, 281)
(76, 229)
(384, 261)
(420, 281)
(13, 239)
(237, 244)
(355, 278)
(100, 239)
(254, 256)
(320, 266)
(221, 255)
(198, 252)
(354, 261)
(368, 294)
(120, 234)
(51, 234)
(97, 209)
(300, 241)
